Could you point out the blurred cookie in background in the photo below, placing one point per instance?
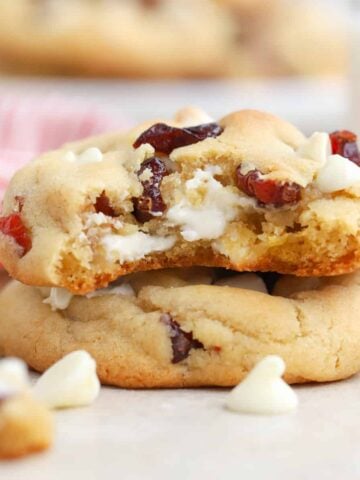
(172, 39)
(284, 37)
(132, 38)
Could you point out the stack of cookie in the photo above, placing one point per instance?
(144, 248)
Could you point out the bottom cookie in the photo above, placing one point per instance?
(177, 329)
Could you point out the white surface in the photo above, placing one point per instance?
(188, 435)
(312, 104)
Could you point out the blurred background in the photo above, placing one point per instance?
(71, 68)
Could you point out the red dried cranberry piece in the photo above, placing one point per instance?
(343, 142)
(266, 191)
(206, 130)
(182, 342)
(151, 200)
(102, 205)
(14, 227)
(165, 138)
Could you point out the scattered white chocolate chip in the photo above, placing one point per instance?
(14, 374)
(337, 174)
(70, 382)
(248, 281)
(91, 155)
(263, 391)
(124, 289)
(59, 298)
(317, 148)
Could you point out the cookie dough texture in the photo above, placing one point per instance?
(317, 332)
(25, 426)
(320, 235)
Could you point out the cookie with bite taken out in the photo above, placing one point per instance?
(248, 192)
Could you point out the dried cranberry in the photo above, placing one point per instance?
(266, 191)
(165, 138)
(14, 227)
(151, 201)
(182, 342)
(343, 142)
(102, 205)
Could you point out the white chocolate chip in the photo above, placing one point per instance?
(317, 148)
(59, 299)
(14, 374)
(263, 391)
(248, 281)
(71, 382)
(338, 173)
(91, 155)
(70, 157)
(190, 116)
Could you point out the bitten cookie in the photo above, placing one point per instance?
(184, 330)
(25, 425)
(250, 193)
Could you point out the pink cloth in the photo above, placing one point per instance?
(29, 126)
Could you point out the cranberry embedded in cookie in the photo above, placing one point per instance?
(344, 142)
(182, 342)
(102, 205)
(150, 204)
(267, 192)
(13, 226)
(165, 138)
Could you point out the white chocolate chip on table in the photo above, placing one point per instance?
(70, 382)
(263, 391)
